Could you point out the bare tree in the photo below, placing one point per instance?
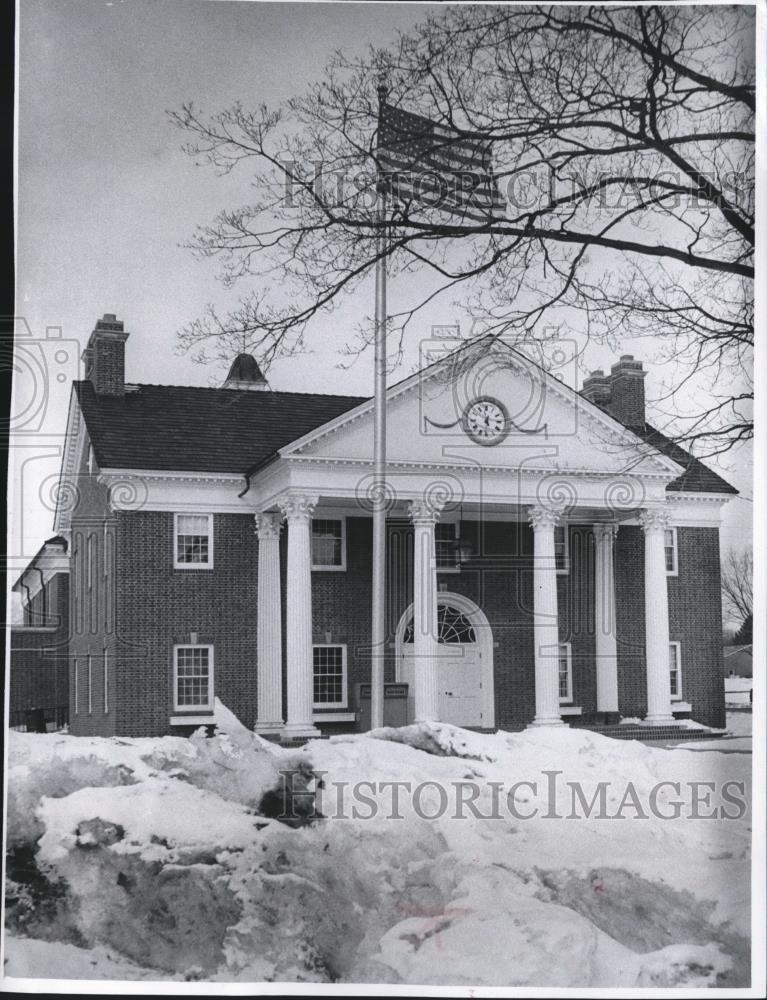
(622, 139)
(737, 584)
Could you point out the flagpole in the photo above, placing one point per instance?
(378, 623)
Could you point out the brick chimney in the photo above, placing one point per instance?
(621, 392)
(104, 357)
(627, 391)
(597, 388)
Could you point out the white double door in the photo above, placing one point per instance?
(459, 672)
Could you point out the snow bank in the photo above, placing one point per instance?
(231, 859)
(28, 958)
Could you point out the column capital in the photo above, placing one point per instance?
(604, 530)
(424, 511)
(298, 507)
(654, 519)
(542, 518)
(268, 525)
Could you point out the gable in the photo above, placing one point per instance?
(551, 426)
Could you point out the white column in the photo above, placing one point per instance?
(604, 618)
(269, 626)
(545, 616)
(300, 672)
(424, 515)
(655, 522)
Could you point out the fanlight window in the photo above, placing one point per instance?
(453, 627)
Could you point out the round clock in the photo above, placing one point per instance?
(486, 420)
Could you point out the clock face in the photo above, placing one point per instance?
(486, 421)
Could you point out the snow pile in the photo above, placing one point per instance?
(401, 856)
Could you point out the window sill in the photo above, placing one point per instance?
(681, 706)
(192, 720)
(570, 710)
(334, 716)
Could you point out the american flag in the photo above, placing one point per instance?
(422, 162)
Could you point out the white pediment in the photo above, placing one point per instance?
(551, 426)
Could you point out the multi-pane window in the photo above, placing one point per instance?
(328, 543)
(670, 550)
(565, 672)
(453, 627)
(675, 669)
(330, 676)
(193, 541)
(561, 551)
(194, 677)
(445, 538)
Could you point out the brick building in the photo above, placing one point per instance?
(39, 676)
(550, 556)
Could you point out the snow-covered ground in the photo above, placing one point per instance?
(545, 858)
(737, 739)
(737, 690)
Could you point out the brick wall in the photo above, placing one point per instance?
(630, 621)
(342, 604)
(158, 606)
(695, 620)
(499, 579)
(39, 656)
(92, 612)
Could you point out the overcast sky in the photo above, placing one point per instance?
(106, 197)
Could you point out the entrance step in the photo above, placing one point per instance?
(644, 733)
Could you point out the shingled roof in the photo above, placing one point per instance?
(697, 477)
(194, 429)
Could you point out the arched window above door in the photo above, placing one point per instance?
(453, 627)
